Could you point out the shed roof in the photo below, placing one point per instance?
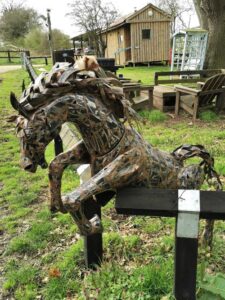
(190, 30)
(125, 19)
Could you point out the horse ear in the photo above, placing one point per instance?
(23, 86)
(16, 105)
(14, 101)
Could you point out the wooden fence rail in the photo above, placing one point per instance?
(10, 54)
(45, 57)
(188, 207)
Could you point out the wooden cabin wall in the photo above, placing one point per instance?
(157, 47)
(127, 39)
(154, 49)
(114, 43)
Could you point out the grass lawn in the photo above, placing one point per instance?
(41, 256)
(145, 74)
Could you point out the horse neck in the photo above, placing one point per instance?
(53, 115)
(98, 125)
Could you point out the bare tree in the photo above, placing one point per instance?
(9, 5)
(177, 9)
(212, 18)
(92, 17)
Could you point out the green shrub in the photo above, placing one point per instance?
(208, 116)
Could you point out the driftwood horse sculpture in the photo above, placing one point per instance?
(117, 153)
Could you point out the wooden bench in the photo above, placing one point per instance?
(164, 96)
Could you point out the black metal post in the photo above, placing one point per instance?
(186, 253)
(93, 248)
(58, 145)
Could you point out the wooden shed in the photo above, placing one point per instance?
(140, 37)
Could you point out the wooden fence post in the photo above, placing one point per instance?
(93, 248)
(9, 57)
(93, 243)
(58, 145)
(186, 244)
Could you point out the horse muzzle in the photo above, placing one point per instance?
(28, 165)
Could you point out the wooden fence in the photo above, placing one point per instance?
(9, 55)
(12, 54)
(187, 206)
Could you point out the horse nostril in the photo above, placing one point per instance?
(28, 167)
(27, 164)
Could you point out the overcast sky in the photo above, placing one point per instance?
(59, 9)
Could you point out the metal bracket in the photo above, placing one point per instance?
(188, 215)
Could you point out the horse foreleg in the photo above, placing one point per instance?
(86, 227)
(124, 170)
(77, 155)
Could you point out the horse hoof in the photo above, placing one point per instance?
(96, 225)
(53, 210)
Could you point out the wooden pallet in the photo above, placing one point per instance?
(164, 98)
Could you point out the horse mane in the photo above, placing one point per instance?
(66, 79)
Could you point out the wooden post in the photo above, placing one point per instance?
(150, 96)
(186, 251)
(186, 244)
(58, 145)
(9, 57)
(177, 104)
(93, 248)
(46, 60)
(195, 110)
(93, 243)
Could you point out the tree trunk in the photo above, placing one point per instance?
(212, 18)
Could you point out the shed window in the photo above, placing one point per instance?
(146, 34)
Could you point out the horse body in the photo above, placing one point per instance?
(118, 154)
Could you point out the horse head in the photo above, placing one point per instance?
(35, 133)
